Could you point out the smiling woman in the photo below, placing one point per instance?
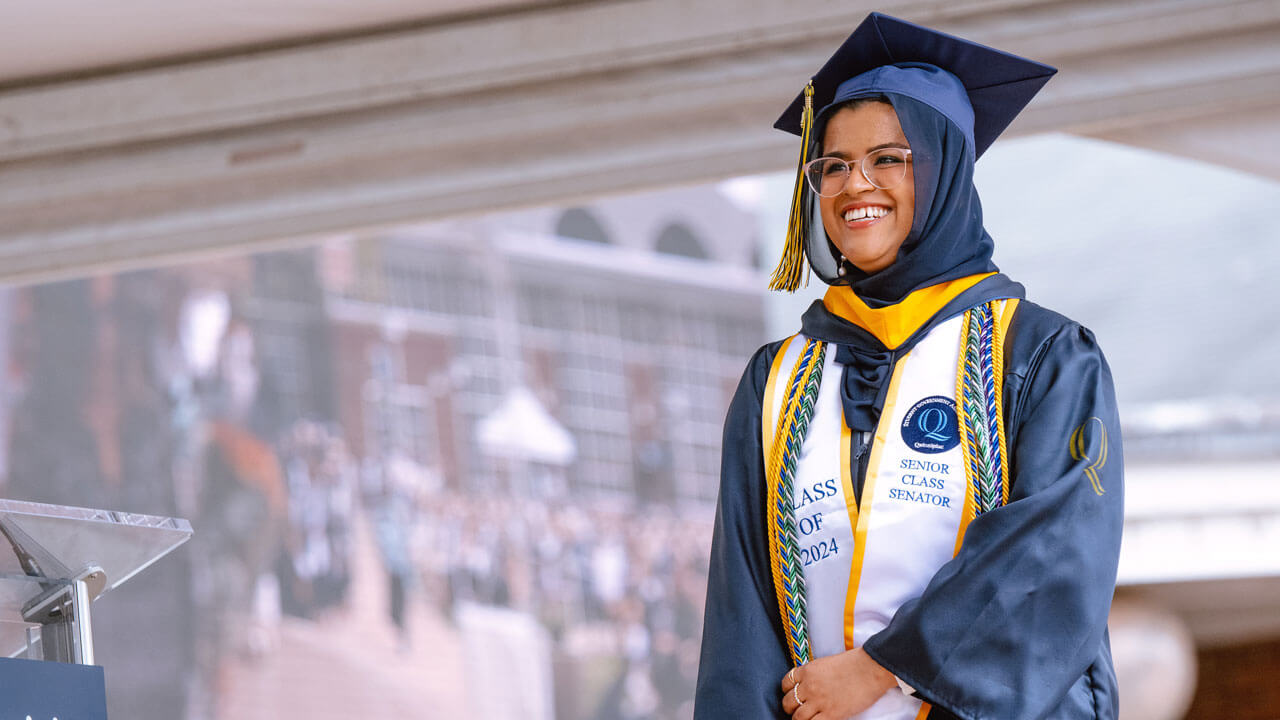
(920, 504)
(869, 214)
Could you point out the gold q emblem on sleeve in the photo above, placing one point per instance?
(1085, 447)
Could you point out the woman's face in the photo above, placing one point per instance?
(869, 242)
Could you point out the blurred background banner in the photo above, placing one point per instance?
(427, 316)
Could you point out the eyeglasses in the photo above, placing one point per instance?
(884, 168)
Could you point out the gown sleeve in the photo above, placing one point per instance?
(743, 656)
(1012, 627)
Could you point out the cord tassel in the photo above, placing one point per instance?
(792, 265)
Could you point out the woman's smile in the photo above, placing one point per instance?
(861, 215)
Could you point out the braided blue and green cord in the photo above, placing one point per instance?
(798, 407)
(980, 413)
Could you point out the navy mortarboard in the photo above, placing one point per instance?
(979, 89)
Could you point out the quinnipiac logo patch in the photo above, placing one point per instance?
(930, 425)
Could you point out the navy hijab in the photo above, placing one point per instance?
(947, 240)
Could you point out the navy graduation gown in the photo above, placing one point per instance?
(1015, 625)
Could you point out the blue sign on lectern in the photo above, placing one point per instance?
(47, 690)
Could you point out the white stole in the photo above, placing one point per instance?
(861, 566)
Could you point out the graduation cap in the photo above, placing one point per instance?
(978, 88)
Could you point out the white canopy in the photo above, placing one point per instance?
(520, 428)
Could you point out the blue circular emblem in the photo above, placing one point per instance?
(930, 425)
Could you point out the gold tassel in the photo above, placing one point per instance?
(787, 275)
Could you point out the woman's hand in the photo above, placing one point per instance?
(835, 687)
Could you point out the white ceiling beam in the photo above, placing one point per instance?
(590, 39)
(1245, 140)
(493, 114)
(453, 60)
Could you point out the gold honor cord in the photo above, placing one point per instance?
(1005, 316)
(791, 266)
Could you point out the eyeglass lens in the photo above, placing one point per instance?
(883, 168)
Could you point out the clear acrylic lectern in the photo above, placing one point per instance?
(58, 561)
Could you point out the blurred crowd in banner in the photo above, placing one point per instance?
(157, 392)
(629, 586)
(141, 392)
